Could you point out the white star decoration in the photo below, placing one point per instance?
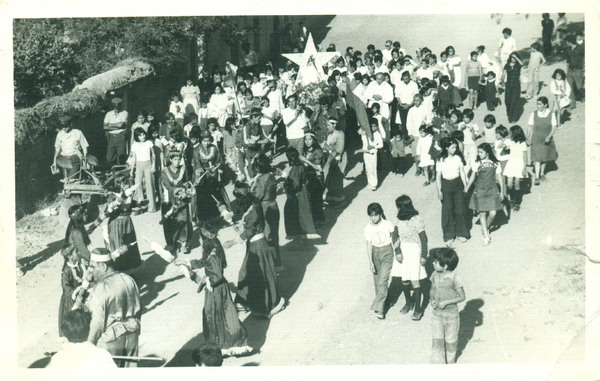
(311, 63)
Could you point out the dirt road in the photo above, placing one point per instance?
(525, 292)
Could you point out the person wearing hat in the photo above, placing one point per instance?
(115, 127)
(115, 305)
(70, 148)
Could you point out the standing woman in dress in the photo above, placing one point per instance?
(191, 96)
(297, 213)
(312, 157)
(220, 322)
(451, 180)
(542, 126)
(207, 175)
(336, 162)
(454, 63)
(176, 222)
(265, 190)
(218, 105)
(512, 84)
(486, 199)
(119, 230)
(257, 288)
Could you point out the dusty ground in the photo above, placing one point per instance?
(525, 292)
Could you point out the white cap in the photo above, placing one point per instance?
(100, 255)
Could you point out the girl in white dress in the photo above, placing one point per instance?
(454, 63)
(515, 168)
(410, 263)
(191, 95)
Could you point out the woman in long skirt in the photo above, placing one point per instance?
(312, 157)
(265, 190)
(257, 288)
(297, 213)
(119, 229)
(542, 126)
(512, 83)
(176, 222)
(220, 322)
(336, 163)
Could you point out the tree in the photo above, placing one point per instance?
(52, 55)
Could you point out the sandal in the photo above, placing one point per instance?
(417, 316)
(487, 241)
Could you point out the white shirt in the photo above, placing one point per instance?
(467, 132)
(507, 45)
(296, 129)
(396, 77)
(415, 118)
(70, 143)
(114, 117)
(142, 150)
(84, 358)
(450, 167)
(560, 88)
(486, 62)
(275, 100)
(371, 144)
(425, 73)
(177, 109)
(386, 55)
(542, 114)
(387, 96)
(406, 92)
(258, 89)
(379, 235)
(360, 91)
(381, 69)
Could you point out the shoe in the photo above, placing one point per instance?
(373, 189)
(462, 239)
(487, 241)
(543, 178)
(186, 249)
(516, 207)
(407, 308)
(537, 181)
(379, 315)
(426, 183)
(449, 243)
(417, 316)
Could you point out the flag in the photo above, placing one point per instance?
(361, 112)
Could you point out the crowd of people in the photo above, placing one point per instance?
(231, 125)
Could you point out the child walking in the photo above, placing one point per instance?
(370, 148)
(380, 252)
(424, 159)
(413, 248)
(486, 199)
(515, 169)
(491, 99)
(471, 133)
(143, 165)
(473, 75)
(447, 290)
(398, 149)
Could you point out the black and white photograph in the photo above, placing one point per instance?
(301, 188)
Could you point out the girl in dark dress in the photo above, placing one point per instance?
(119, 230)
(211, 196)
(312, 157)
(71, 278)
(297, 212)
(265, 190)
(220, 322)
(257, 288)
(512, 84)
(175, 214)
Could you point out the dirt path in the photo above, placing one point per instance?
(526, 290)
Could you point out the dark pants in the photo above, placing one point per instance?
(115, 150)
(383, 259)
(403, 116)
(454, 211)
(575, 78)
